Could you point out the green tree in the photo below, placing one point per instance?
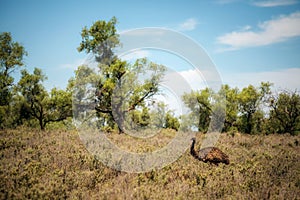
(231, 102)
(139, 118)
(145, 117)
(171, 121)
(11, 57)
(199, 102)
(250, 101)
(158, 114)
(285, 113)
(118, 88)
(83, 97)
(162, 117)
(40, 105)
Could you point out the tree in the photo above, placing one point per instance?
(285, 113)
(139, 118)
(145, 117)
(231, 95)
(171, 121)
(11, 56)
(250, 99)
(158, 114)
(248, 104)
(199, 102)
(40, 105)
(118, 88)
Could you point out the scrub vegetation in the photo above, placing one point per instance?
(55, 165)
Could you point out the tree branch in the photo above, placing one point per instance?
(148, 94)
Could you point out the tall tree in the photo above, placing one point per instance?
(118, 88)
(11, 57)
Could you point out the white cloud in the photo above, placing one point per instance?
(246, 28)
(188, 25)
(272, 31)
(196, 79)
(282, 79)
(274, 3)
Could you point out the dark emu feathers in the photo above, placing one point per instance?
(209, 154)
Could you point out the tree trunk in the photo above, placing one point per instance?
(120, 129)
(249, 125)
(120, 122)
(42, 126)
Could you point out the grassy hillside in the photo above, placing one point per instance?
(55, 165)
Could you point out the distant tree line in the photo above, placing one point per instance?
(250, 110)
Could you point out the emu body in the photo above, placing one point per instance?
(209, 154)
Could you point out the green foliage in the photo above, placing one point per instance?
(250, 101)
(248, 105)
(199, 102)
(231, 95)
(158, 114)
(171, 121)
(118, 87)
(145, 117)
(155, 118)
(242, 110)
(59, 105)
(285, 113)
(11, 56)
(139, 118)
(38, 104)
(119, 90)
(5, 117)
(100, 39)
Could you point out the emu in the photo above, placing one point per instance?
(209, 154)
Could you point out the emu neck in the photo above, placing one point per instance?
(193, 152)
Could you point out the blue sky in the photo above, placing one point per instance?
(249, 41)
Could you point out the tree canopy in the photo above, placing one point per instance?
(118, 89)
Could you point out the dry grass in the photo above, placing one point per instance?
(55, 165)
